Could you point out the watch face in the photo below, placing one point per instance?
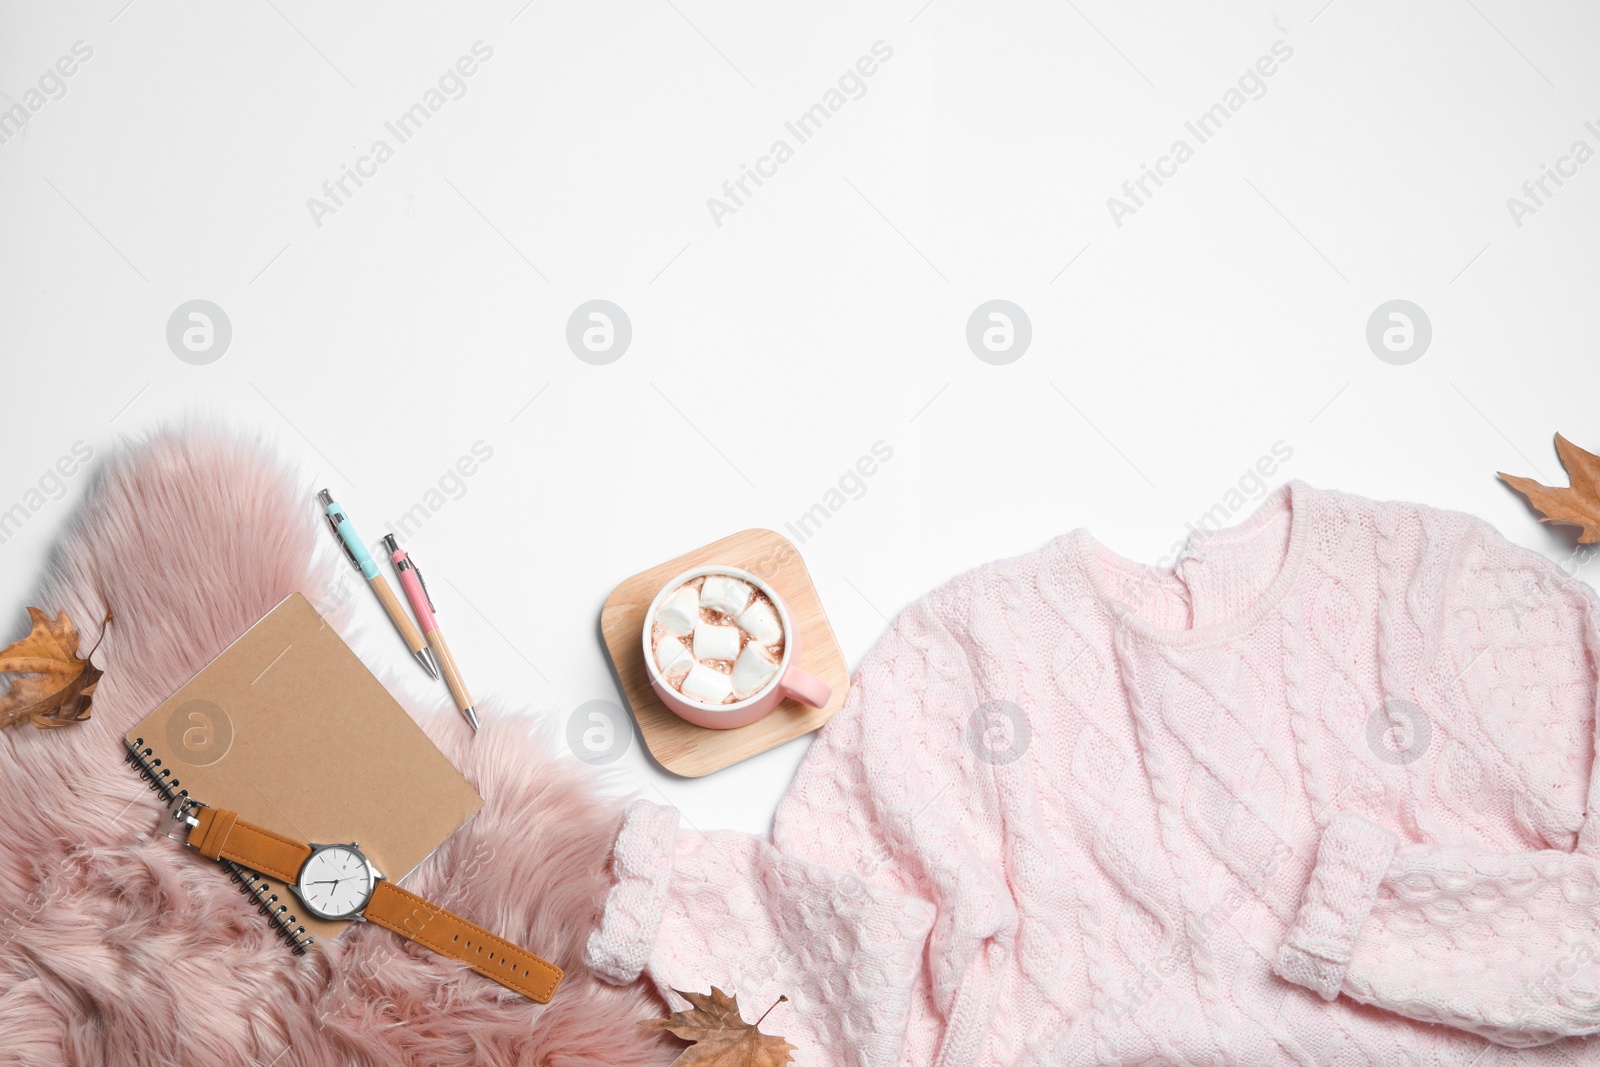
(335, 882)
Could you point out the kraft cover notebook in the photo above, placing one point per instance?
(288, 728)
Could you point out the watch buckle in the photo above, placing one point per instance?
(181, 817)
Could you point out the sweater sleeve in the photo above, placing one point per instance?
(720, 909)
(841, 928)
(1505, 945)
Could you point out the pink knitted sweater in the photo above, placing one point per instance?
(1316, 794)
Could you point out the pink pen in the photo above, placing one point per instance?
(422, 604)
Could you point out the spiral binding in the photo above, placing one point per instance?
(144, 760)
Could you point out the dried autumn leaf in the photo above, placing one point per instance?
(721, 1036)
(1575, 506)
(52, 686)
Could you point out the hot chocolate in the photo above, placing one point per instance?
(717, 640)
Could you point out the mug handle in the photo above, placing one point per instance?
(806, 687)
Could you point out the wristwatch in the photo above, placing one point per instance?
(339, 882)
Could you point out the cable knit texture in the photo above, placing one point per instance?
(641, 864)
(1351, 860)
(1315, 793)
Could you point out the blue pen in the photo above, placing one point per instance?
(345, 530)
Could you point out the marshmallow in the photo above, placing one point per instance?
(752, 671)
(672, 656)
(715, 642)
(680, 611)
(706, 685)
(761, 623)
(725, 594)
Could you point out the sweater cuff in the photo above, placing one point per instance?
(1352, 859)
(641, 864)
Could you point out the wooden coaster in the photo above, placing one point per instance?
(682, 747)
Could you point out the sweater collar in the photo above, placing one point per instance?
(1094, 563)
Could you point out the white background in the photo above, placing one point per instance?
(827, 313)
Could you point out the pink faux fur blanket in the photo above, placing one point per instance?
(119, 947)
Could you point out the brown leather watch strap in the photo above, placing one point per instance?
(220, 833)
(450, 935)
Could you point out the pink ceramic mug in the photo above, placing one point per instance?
(789, 683)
